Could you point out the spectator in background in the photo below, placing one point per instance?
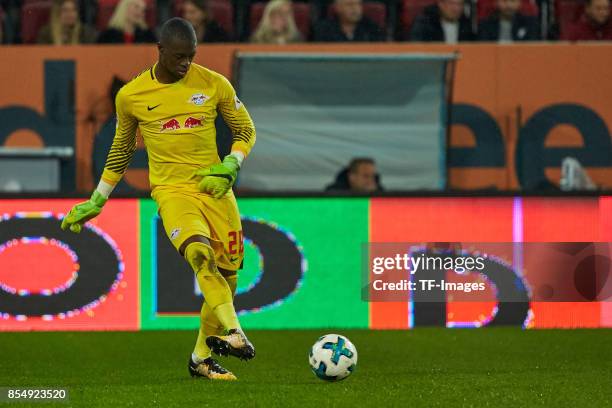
(65, 26)
(349, 24)
(207, 30)
(593, 25)
(1, 26)
(127, 24)
(443, 22)
(277, 25)
(507, 24)
(360, 177)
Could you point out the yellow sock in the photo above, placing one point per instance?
(209, 324)
(227, 315)
(226, 312)
(232, 282)
(216, 290)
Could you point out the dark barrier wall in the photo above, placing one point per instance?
(302, 267)
(518, 110)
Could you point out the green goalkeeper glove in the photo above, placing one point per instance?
(218, 179)
(83, 212)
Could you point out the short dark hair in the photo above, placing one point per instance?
(358, 161)
(177, 28)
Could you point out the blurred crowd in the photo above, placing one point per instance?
(281, 21)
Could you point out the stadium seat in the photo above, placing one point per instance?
(486, 7)
(410, 9)
(301, 14)
(567, 12)
(222, 11)
(34, 15)
(107, 7)
(374, 10)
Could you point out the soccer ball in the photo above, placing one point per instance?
(333, 357)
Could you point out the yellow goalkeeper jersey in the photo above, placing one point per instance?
(177, 124)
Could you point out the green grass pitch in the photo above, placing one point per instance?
(491, 367)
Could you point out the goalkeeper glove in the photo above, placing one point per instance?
(218, 179)
(83, 212)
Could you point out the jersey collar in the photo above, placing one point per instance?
(154, 78)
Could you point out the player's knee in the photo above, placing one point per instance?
(192, 239)
(201, 258)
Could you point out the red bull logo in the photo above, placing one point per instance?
(172, 124)
(192, 122)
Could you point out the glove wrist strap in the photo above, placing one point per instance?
(98, 199)
(239, 157)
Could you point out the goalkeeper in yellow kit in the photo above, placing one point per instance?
(174, 104)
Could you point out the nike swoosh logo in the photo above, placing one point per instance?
(233, 259)
(149, 108)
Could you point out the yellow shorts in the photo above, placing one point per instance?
(185, 214)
